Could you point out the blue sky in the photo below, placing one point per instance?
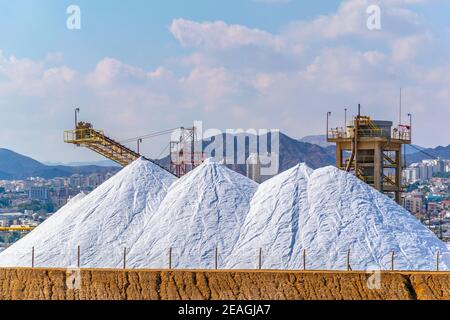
(141, 66)
(136, 32)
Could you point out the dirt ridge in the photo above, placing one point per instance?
(101, 284)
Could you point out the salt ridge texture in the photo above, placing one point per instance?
(202, 211)
(327, 212)
(102, 223)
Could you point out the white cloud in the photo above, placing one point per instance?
(31, 78)
(208, 88)
(218, 35)
(109, 71)
(404, 33)
(328, 62)
(407, 48)
(159, 73)
(236, 76)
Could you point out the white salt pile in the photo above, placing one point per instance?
(202, 211)
(324, 213)
(101, 223)
(327, 212)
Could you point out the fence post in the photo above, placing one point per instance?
(437, 260)
(304, 259)
(392, 261)
(348, 261)
(260, 259)
(124, 258)
(32, 257)
(217, 258)
(170, 258)
(78, 257)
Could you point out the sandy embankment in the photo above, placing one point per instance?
(185, 284)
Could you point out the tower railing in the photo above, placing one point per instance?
(402, 132)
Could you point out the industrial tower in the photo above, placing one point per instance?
(372, 150)
(184, 155)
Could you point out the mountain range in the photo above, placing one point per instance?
(99, 163)
(429, 153)
(315, 151)
(291, 151)
(16, 166)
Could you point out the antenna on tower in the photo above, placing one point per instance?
(400, 109)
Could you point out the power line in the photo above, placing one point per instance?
(424, 152)
(150, 135)
(166, 147)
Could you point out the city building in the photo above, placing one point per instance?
(413, 202)
(253, 167)
(39, 193)
(425, 170)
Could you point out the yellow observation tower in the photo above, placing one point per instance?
(372, 150)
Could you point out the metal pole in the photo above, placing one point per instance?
(410, 126)
(78, 257)
(138, 142)
(328, 115)
(260, 259)
(304, 259)
(392, 260)
(170, 258)
(77, 110)
(217, 258)
(32, 257)
(400, 109)
(193, 148)
(345, 119)
(437, 260)
(124, 258)
(356, 137)
(348, 261)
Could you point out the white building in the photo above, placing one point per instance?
(413, 202)
(253, 167)
(423, 171)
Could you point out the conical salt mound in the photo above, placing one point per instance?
(102, 223)
(333, 218)
(202, 211)
(273, 221)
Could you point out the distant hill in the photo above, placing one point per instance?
(413, 149)
(99, 163)
(292, 152)
(320, 140)
(443, 152)
(12, 163)
(16, 166)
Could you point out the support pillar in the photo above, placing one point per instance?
(339, 163)
(398, 175)
(378, 167)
